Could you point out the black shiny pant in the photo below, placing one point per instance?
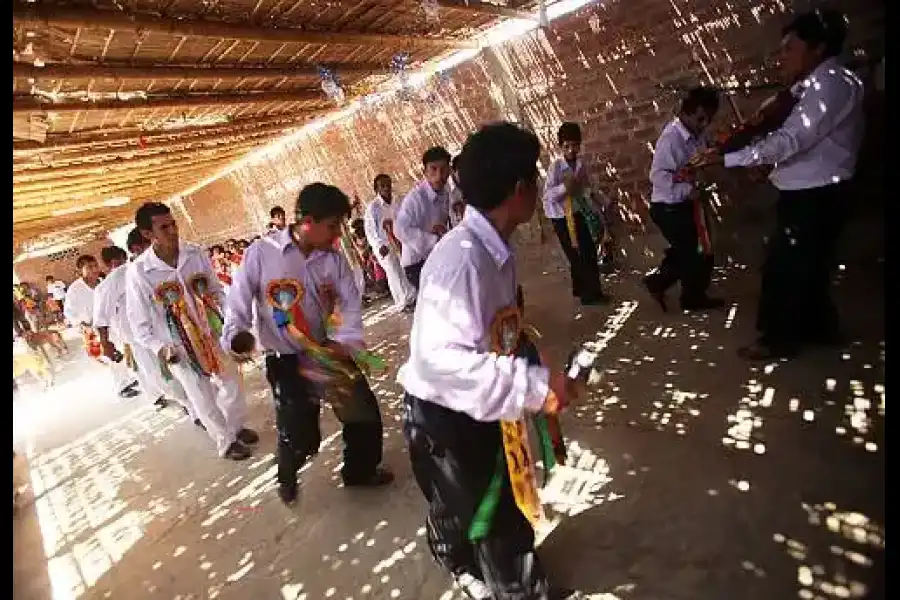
(795, 304)
(453, 459)
(297, 420)
(682, 261)
(583, 265)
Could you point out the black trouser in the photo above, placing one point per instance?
(582, 261)
(453, 460)
(795, 303)
(413, 273)
(683, 261)
(297, 419)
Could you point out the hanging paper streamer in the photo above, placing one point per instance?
(543, 19)
(400, 69)
(432, 11)
(331, 86)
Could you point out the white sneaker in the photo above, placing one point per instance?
(472, 587)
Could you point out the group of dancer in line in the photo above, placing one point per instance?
(466, 382)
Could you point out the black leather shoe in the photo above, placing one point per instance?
(377, 478)
(238, 451)
(287, 493)
(248, 436)
(703, 304)
(655, 292)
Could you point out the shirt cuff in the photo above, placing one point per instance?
(538, 388)
(155, 346)
(733, 159)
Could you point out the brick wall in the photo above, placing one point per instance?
(606, 66)
(61, 265)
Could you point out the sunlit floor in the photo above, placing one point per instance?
(693, 475)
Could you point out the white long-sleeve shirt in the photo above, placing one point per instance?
(818, 143)
(109, 305)
(555, 188)
(467, 281)
(420, 211)
(674, 148)
(146, 313)
(373, 223)
(79, 307)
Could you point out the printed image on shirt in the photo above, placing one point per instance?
(199, 284)
(505, 329)
(168, 293)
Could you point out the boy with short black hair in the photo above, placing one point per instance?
(278, 219)
(463, 378)
(565, 192)
(424, 215)
(297, 281)
(672, 205)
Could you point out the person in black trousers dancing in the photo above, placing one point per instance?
(672, 205)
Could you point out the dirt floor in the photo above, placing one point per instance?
(693, 476)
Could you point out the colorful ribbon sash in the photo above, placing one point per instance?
(198, 344)
(509, 338)
(285, 297)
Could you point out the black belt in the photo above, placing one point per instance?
(275, 354)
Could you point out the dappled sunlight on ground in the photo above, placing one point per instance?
(688, 470)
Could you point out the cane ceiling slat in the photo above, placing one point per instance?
(133, 87)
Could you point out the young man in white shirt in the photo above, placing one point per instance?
(672, 205)
(79, 311)
(379, 228)
(814, 157)
(424, 215)
(462, 378)
(296, 281)
(111, 323)
(567, 182)
(173, 300)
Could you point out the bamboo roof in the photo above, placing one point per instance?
(116, 102)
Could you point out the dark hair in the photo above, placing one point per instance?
(700, 97)
(825, 27)
(111, 253)
(322, 201)
(435, 154)
(277, 210)
(378, 178)
(358, 226)
(494, 159)
(49, 278)
(135, 238)
(83, 260)
(143, 218)
(218, 247)
(569, 132)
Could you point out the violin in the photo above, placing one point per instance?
(770, 116)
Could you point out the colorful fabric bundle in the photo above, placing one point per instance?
(198, 344)
(207, 302)
(515, 459)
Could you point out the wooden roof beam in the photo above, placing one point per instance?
(77, 175)
(24, 104)
(82, 185)
(90, 18)
(151, 149)
(132, 136)
(140, 72)
(485, 8)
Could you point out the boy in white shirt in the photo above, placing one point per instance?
(567, 184)
(424, 215)
(463, 378)
(173, 302)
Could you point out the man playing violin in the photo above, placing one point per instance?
(813, 155)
